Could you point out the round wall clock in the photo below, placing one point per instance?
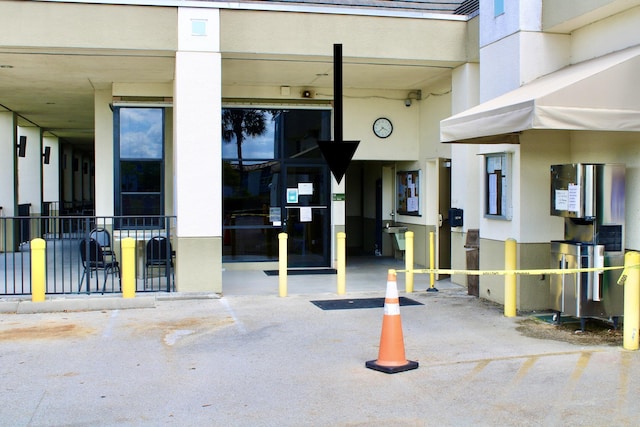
(382, 127)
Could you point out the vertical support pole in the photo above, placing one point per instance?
(38, 260)
(432, 262)
(631, 301)
(338, 128)
(282, 264)
(342, 263)
(128, 267)
(510, 263)
(408, 261)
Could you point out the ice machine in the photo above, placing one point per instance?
(591, 198)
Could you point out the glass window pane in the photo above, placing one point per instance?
(141, 204)
(141, 133)
(301, 131)
(140, 176)
(248, 134)
(250, 244)
(250, 192)
(262, 133)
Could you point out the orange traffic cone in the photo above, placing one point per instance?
(391, 358)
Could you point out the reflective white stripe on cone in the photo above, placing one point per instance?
(391, 357)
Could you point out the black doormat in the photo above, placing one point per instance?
(301, 271)
(347, 304)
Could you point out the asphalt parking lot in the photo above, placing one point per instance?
(262, 360)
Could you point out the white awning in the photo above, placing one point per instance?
(598, 94)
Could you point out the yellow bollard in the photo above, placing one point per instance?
(631, 301)
(510, 263)
(408, 261)
(432, 262)
(38, 262)
(282, 264)
(342, 263)
(128, 267)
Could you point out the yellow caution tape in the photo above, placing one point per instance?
(623, 277)
(533, 272)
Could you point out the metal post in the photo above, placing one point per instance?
(510, 263)
(342, 263)
(282, 264)
(432, 262)
(128, 267)
(631, 301)
(38, 260)
(408, 261)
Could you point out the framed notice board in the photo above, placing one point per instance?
(407, 194)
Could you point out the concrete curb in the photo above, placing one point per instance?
(95, 303)
(76, 304)
(179, 296)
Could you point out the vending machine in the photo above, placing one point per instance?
(591, 198)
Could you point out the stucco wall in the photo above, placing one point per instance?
(7, 159)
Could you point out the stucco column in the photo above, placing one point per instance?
(30, 169)
(7, 166)
(465, 83)
(197, 152)
(104, 160)
(51, 172)
(7, 175)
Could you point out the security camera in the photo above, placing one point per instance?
(407, 102)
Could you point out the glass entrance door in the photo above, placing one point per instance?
(306, 215)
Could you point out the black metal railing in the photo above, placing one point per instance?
(73, 267)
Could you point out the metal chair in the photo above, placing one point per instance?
(159, 254)
(103, 237)
(93, 259)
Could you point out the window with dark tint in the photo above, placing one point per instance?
(256, 143)
(139, 161)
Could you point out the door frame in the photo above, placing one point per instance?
(439, 186)
(326, 226)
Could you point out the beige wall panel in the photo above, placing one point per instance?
(492, 258)
(314, 34)
(615, 147)
(90, 26)
(538, 151)
(199, 264)
(434, 107)
(458, 257)
(567, 15)
(608, 35)
(359, 115)
(532, 290)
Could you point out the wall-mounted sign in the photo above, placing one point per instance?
(292, 195)
(408, 194)
(338, 197)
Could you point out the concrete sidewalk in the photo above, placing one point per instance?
(261, 360)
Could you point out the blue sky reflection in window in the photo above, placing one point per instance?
(141, 133)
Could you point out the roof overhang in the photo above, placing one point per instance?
(600, 94)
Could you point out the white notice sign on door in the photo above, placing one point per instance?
(305, 188)
(305, 214)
